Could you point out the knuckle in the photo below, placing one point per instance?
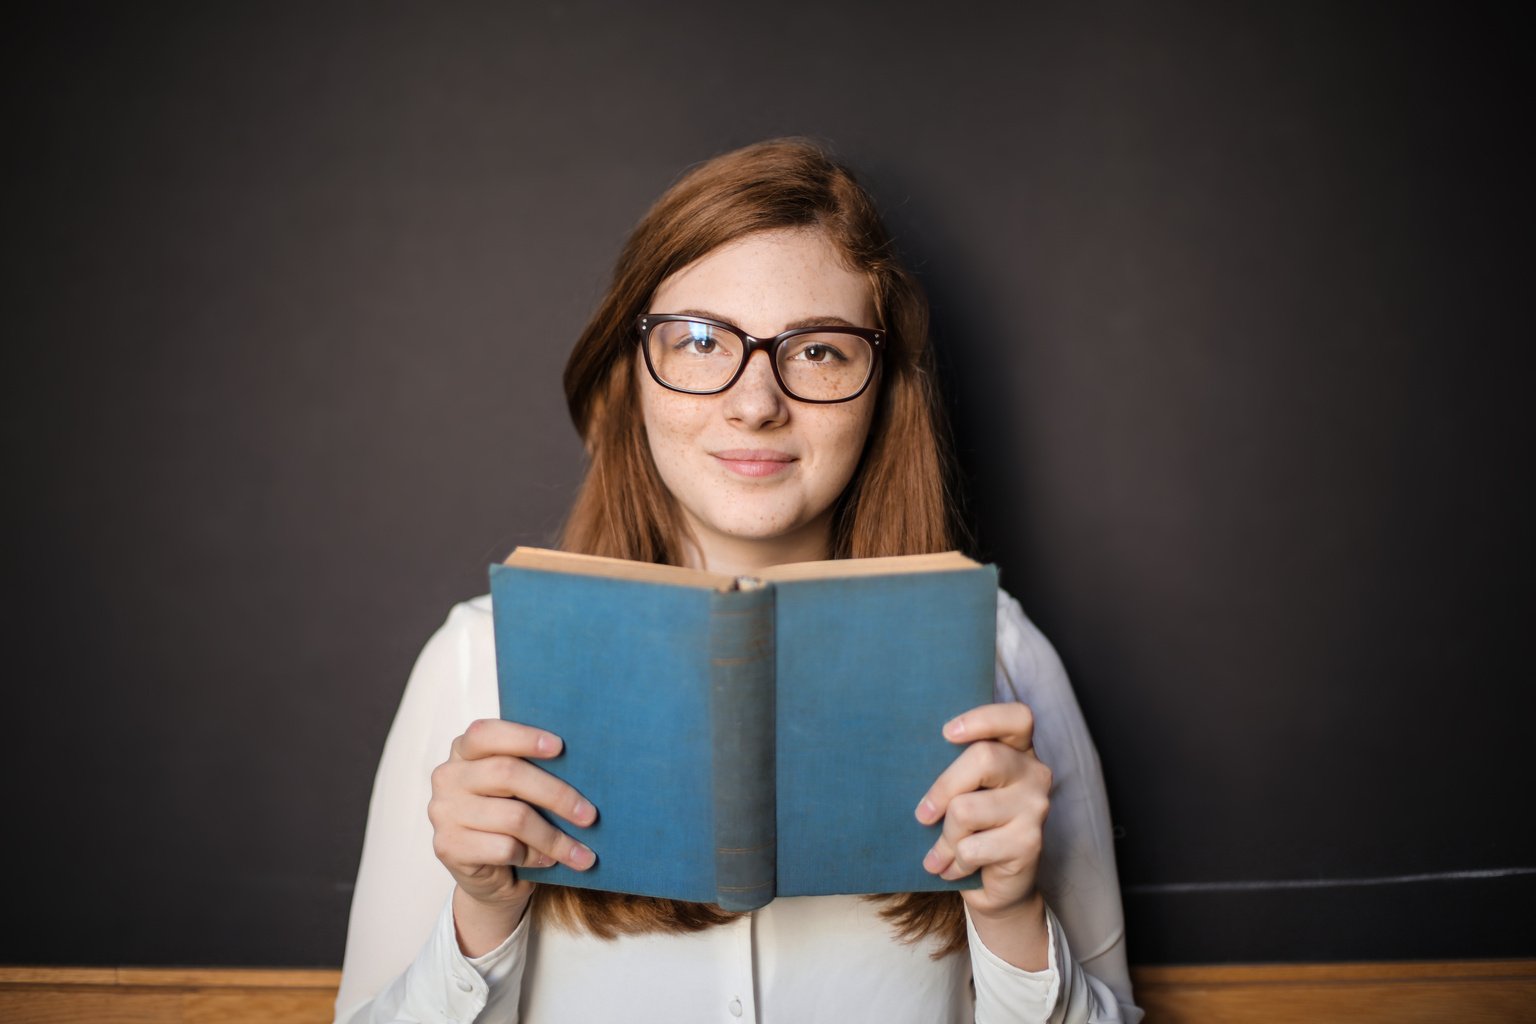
(989, 757)
(519, 816)
(1008, 868)
(1030, 842)
(509, 771)
(962, 811)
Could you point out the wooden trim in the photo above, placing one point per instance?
(1430, 992)
(229, 977)
(174, 977)
(1387, 970)
(1416, 992)
(166, 995)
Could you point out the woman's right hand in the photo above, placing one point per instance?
(485, 825)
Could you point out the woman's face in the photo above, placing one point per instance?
(754, 471)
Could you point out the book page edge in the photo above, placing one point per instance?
(892, 565)
(546, 560)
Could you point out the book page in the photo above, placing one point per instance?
(946, 561)
(617, 568)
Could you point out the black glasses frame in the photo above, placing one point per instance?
(876, 338)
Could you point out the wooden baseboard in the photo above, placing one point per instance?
(166, 995)
(1409, 992)
(1470, 991)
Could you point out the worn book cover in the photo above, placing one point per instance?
(747, 737)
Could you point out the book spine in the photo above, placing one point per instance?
(742, 718)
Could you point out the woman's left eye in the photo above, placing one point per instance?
(819, 352)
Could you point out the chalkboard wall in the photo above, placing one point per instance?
(1233, 302)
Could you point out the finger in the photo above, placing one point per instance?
(939, 858)
(1012, 723)
(470, 851)
(951, 862)
(956, 853)
(487, 737)
(515, 837)
(984, 765)
(978, 811)
(513, 777)
(1006, 852)
(473, 853)
(521, 822)
(1016, 812)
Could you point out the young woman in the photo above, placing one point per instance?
(706, 451)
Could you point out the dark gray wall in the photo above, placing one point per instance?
(1233, 304)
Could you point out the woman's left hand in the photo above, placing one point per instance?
(993, 801)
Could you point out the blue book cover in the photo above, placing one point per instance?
(744, 738)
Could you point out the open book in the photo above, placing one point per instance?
(746, 737)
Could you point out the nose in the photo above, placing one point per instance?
(755, 400)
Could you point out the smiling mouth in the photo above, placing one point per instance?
(754, 462)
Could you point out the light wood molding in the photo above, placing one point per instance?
(1471, 991)
(1409, 992)
(166, 995)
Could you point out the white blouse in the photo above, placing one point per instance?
(799, 959)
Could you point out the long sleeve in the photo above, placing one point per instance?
(402, 960)
(1087, 978)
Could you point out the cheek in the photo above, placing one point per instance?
(667, 424)
(847, 440)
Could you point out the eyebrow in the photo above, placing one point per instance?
(793, 325)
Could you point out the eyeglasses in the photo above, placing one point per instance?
(698, 356)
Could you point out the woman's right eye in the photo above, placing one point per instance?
(698, 346)
(698, 340)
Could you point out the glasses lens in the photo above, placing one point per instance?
(825, 366)
(692, 356)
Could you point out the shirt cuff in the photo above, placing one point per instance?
(1008, 993)
(468, 984)
(495, 965)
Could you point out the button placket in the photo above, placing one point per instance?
(742, 1006)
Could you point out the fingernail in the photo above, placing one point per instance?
(926, 812)
(931, 862)
(580, 857)
(545, 744)
(955, 728)
(582, 812)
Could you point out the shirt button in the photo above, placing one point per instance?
(464, 986)
(735, 1007)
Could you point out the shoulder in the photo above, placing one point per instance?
(1026, 661)
(468, 623)
(1030, 671)
(472, 614)
(454, 679)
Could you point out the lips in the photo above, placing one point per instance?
(754, 462)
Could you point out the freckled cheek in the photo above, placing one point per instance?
(843, 456)
(667, 431)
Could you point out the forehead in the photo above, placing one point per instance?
(770, 278)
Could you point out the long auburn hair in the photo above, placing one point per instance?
(900, 500)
